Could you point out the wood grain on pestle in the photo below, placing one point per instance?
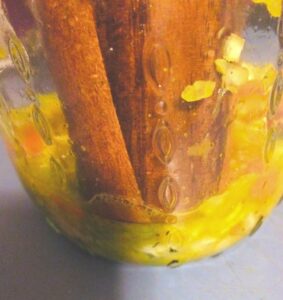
(121, 34)
(153, 49)
(78, 69)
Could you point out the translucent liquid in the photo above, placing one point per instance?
(250, 187)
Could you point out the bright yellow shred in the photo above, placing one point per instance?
(236, 75)
(265, 74)
(3, 53)
(198, 91)
(233, 48)
(274, 6)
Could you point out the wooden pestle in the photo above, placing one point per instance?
(199, 134)
(118, 26)
(77, 66)
(175, 43)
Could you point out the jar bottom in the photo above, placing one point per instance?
(217, 224)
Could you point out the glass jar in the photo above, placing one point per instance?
(146, 131)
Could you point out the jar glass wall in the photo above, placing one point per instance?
(146, 131)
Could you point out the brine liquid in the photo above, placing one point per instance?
(252, 185)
